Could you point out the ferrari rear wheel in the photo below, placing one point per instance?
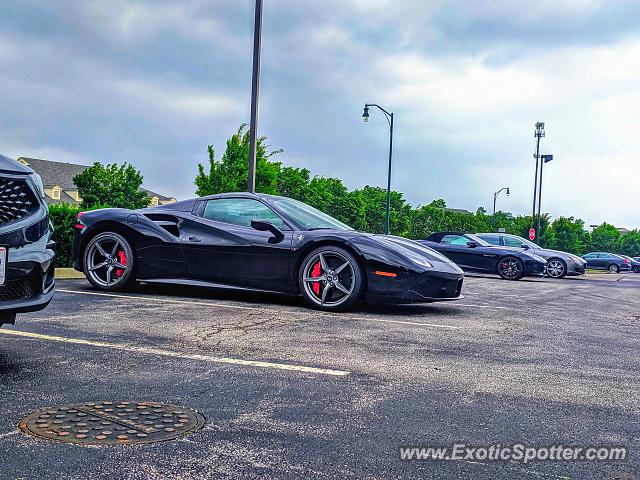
(109, 262)
(330, 279)
(510, 268)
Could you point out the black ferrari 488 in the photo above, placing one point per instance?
(473, 254)
(259, 242)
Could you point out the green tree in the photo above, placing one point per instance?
(231, 172)
(568, 235)
(113, 185)
(629, 243)
(605, 238)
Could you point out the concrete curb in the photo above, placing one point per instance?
(67, 274)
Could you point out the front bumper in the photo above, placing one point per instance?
(411, 287)
(574, 269)
(29, 284)
(534, 268)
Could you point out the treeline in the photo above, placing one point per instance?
(364, 208)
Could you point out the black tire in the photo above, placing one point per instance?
(510, 268)
(341, 280)
(613, 268)
(636, 269)
(556, 268)
(97, 265)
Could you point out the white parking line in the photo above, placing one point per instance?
(169, 353)
(242, 307)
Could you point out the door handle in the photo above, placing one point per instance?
(193, 238)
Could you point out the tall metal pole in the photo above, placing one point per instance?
(495, 197)
(539, 133)
(540, 192)
(255, 92)
(387, 228)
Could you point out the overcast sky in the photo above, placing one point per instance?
(153, 83)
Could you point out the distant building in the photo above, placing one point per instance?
(57, 178)
(623, 231)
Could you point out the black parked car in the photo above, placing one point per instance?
(607, 261)
(471, 253)
(259, 242)
(26, 249)
(559, 263)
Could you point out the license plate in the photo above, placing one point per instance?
(3, 265)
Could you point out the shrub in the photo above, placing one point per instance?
(64, 218)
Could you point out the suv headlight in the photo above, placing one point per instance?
(38, 183)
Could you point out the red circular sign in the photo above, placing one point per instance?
(532, 234)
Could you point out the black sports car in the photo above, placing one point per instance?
(26, 249)
(472, 253)
(259, 242)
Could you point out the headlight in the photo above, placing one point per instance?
(38, 183)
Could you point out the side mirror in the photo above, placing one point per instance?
(525, 246)
(472, 244)
(262, 226)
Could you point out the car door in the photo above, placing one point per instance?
(455, 247)
(221, 246)
(591, 259)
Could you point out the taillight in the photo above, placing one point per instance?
(79, 223)
(626, 260)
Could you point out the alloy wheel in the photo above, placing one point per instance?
(555, 268)
(107, 261)
(614, 268)
(509, 268)
(328, 278)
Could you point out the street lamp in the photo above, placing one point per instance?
(389, 117)
(495, 197)
(545, 159)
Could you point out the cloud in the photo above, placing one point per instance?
(154, 82)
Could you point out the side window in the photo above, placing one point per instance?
(604, 255)
(512, 242)
(491, 239)
(590, 256)
(240, 211)
(454, 240)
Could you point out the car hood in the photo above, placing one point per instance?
(8, 165)
(548, 253)
(411, 254)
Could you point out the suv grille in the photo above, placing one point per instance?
(16, 200)
(16, 290)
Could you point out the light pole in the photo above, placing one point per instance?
(545, 159)
(389, 117)
(255, 92)
(495, 197)
(539, 133)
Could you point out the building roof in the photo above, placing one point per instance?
(61, 174)
(55, 173)
(152, 194)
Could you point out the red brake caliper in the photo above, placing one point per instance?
(316, 273)
(122, 257)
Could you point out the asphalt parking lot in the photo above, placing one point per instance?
(289, 392)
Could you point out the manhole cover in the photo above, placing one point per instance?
(112, 423)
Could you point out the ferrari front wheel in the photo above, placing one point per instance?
(331, 279)
(109, 262)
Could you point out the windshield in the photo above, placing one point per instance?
(308, 217)
(478, 240)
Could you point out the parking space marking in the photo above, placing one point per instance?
(169, 353)
(242, 307)
(482, 306)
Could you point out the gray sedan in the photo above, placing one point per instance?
(559, 263)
